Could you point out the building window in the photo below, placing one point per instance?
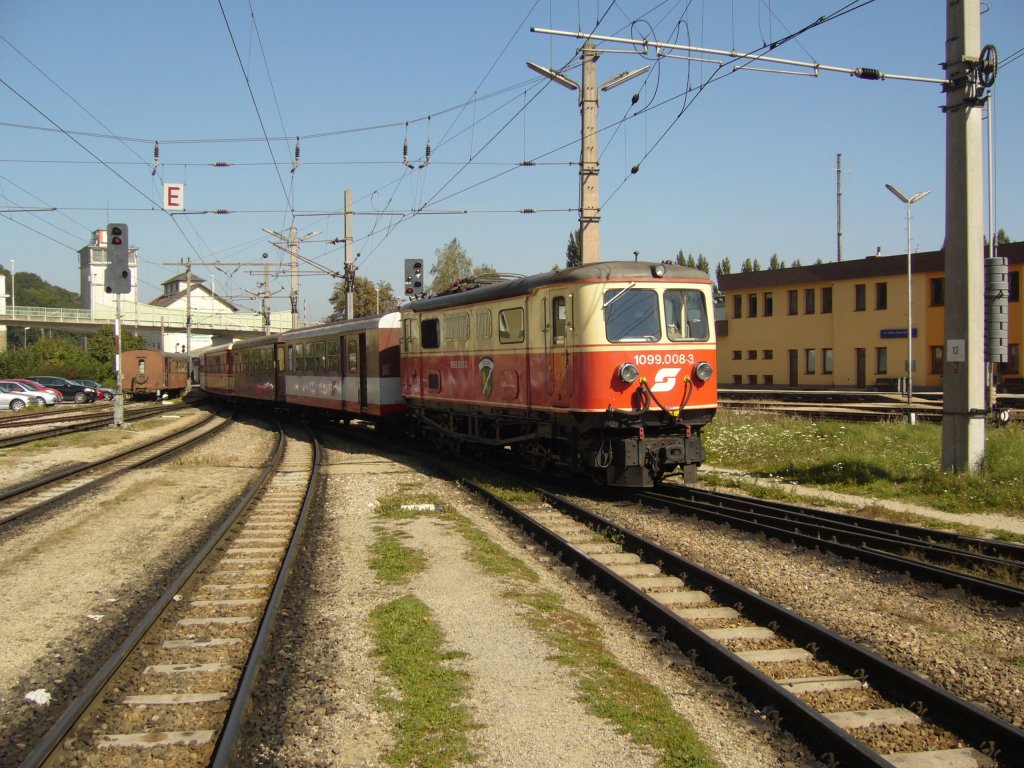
(810, 360)
(768, 354)
(881, 360)
(826, 360)
(769, 379)
(860, 301)
(809, 301)
(792, 295)
(767, 305)
(737, 306)
(1014, 286)
(881, 295)
(752, 305)
(737, 355)
(938, 291)
(936, 355)
(751, 379)
(751, 354)
(737, 379)
(826, 300)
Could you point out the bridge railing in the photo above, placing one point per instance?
(133, 314)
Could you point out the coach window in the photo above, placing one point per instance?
(332, 357)
(686, 317)
(353, 356)
(320, 354)
(430, 333)
(310, 348)
(511, 328)
(559, 320)
(300, 361)
(631, 315)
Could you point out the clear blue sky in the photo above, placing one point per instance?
(745, 170)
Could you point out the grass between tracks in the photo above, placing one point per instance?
(884, 460)
(433, 724)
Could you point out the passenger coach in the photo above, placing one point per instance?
(607, 368)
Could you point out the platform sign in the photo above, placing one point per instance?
(174, 197)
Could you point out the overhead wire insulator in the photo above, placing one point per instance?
(427, 160)
(156, 157)
(867, 73)
(295, 162)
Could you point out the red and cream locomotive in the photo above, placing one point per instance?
(606, 369)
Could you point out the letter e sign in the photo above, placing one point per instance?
(174, 197)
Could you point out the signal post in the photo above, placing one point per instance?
(118, 280)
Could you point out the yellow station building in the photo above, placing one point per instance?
(844, 324)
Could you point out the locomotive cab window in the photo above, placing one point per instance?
(686, 316)
(631, 315)
(430, 333)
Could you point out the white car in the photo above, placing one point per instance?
(33, 396)
(14, 401)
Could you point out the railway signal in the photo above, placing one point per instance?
(118, 277)
(413, 278)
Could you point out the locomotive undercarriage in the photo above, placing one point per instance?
(615, 448)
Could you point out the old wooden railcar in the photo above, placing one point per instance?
(150, 373)
(606, 369)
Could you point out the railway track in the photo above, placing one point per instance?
(850, 706)
(989, 569)
(36, 495)
(80, 419)
(176, 689)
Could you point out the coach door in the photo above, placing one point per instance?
(363, 400)
(559, 362)
(279, 371)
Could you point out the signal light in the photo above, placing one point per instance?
(118, 277)
(414, 277)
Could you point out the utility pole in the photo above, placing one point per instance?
(590, 199)
(963, 379)
(350, 267)
(293, 240)
(188, 325)
(839, 207)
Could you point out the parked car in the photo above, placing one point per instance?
(43, 396)
(102, 393)
(69, 389)
(14, 400)
(40, 388)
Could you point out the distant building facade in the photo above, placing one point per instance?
(844, 324)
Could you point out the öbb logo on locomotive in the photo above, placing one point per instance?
(604, 370)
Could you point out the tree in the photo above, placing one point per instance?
(573, 256)
(1002, 238)
(368, 298)
(724, 268)
(703, 264)
(452, 264)
(747, 265)
(776, 262)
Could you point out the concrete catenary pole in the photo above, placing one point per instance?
(349, 266)
(590, 201)
(963, 411)
(293, 253)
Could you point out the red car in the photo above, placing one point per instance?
(40, 387)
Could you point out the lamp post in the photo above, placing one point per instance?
(12, 288)
(910, 314)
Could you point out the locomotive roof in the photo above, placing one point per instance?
(601, 271)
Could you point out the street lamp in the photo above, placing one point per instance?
(910, 323)
(12, 288)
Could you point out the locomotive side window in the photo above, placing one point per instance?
(511, 326)
(430, 333)
(456, 327)
(483, 324)
(686, 317)
(632, 315)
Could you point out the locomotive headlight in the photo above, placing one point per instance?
(659, 270)
(703, 371)
(628, 372)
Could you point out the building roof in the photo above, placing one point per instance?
(169, 299)
(871, 267)
(183, 277)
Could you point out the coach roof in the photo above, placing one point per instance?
(598, 272)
